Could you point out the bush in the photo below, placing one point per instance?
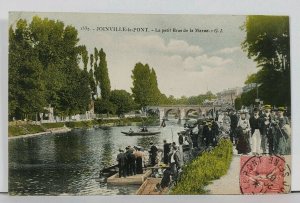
(205, 168)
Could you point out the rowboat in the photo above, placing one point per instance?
(141, 133)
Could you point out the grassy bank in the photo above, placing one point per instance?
(16, 129)
(207, 167)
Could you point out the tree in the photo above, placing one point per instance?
(145, 88)
(123, 101)
(104, 107)
(238, 103)
(44, 68)
(26, 87)
(103, 76)
(267, 43)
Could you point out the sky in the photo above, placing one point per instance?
(186, 63)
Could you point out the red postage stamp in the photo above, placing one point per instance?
(263, 174)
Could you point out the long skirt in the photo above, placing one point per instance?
(243, 143)
(256, 142)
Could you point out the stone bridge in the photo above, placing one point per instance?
(182, 111)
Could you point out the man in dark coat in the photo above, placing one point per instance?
(208, 134)
(130, 161)
(153, 154)
(166, 151)
(121, 158)
(267, 130)
(233, 126)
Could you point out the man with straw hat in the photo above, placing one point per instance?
(267, 129)
(282, 133)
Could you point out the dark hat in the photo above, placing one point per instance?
(151, 143)
(255, 109)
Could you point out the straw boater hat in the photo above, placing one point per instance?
(281, 109)
(267, 106)
(243, 111)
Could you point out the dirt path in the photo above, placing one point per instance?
(229, 183)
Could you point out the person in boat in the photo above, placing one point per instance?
(144, 129)
(139, 156)
(166, 151)
(130, 130)
(130, 161)
(153, 154)
(121, 159)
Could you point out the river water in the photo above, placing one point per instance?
(68, 163)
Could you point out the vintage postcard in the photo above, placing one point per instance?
(114, 104)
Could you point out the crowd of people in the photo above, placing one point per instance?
(263, 130)
(130, 161)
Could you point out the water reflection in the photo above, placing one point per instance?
(69, 163)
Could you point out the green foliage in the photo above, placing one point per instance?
(238, 103)
(192, 100)
(268, 43)
(123, 101)
(205, 168)
(16, 130)
(44, 69)
(248, 98)
(145, 88)
(53, 125)
(103, 76)
(104, 106)
(26, 87)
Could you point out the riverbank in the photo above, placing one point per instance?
(48, 131)
(26, 129)
(209, 166)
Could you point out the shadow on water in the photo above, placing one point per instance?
(107, 152)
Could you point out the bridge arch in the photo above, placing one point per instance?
(169, 110)
(189, 110)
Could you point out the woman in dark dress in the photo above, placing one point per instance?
(243, 134)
